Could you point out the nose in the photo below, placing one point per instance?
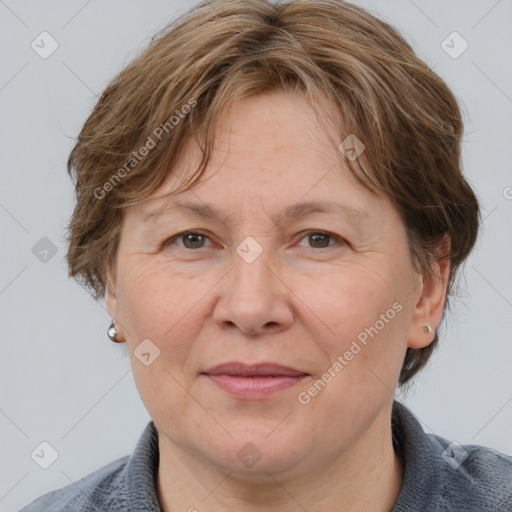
(254, 298)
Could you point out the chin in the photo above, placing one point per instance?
(252, 458)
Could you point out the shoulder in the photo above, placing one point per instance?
(474, 477)
(444, 476)
(104, 489)
(124, 485)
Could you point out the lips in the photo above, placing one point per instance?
(236, 369)
(256, 381)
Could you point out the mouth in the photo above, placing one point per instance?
(254, 382)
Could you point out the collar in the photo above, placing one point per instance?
(422, 463)
(421, 457)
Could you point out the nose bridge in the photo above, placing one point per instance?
(251, 264)
(253, 297)
(254, 254)
(252, 280)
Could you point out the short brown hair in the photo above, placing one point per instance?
(224, 50)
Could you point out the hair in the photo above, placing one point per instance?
(222, 51)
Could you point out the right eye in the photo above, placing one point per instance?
(191, 240)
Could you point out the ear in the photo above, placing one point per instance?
(112, 301)
(110, 292)
(430, 304)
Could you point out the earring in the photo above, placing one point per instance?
(113, 333)
(427, 329)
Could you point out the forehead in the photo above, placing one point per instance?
(292, 212)
(269, 149)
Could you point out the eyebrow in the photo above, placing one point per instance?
(293, 212)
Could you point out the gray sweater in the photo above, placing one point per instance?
(438, 476)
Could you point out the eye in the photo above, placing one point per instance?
(191, 240)
(320, 239)
(196, 239)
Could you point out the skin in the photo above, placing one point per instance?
(301, 303)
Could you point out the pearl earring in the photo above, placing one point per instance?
(113, 333)
(427, 329)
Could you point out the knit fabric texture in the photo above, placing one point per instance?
(439, 476)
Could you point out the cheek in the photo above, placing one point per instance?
(362, 314)
(153, 301)
(163, 308)
(349, 300)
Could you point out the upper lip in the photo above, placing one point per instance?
(258, 369)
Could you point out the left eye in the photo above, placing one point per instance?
(195, 239)
(319, 237)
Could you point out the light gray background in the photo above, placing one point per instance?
(63, 382)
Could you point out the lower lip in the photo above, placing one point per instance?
(254, 388)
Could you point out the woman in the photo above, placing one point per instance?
(270, 199)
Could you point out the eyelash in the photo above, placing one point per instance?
(307, 233)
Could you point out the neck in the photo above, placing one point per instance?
(365, 478)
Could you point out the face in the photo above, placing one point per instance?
(300, 266)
